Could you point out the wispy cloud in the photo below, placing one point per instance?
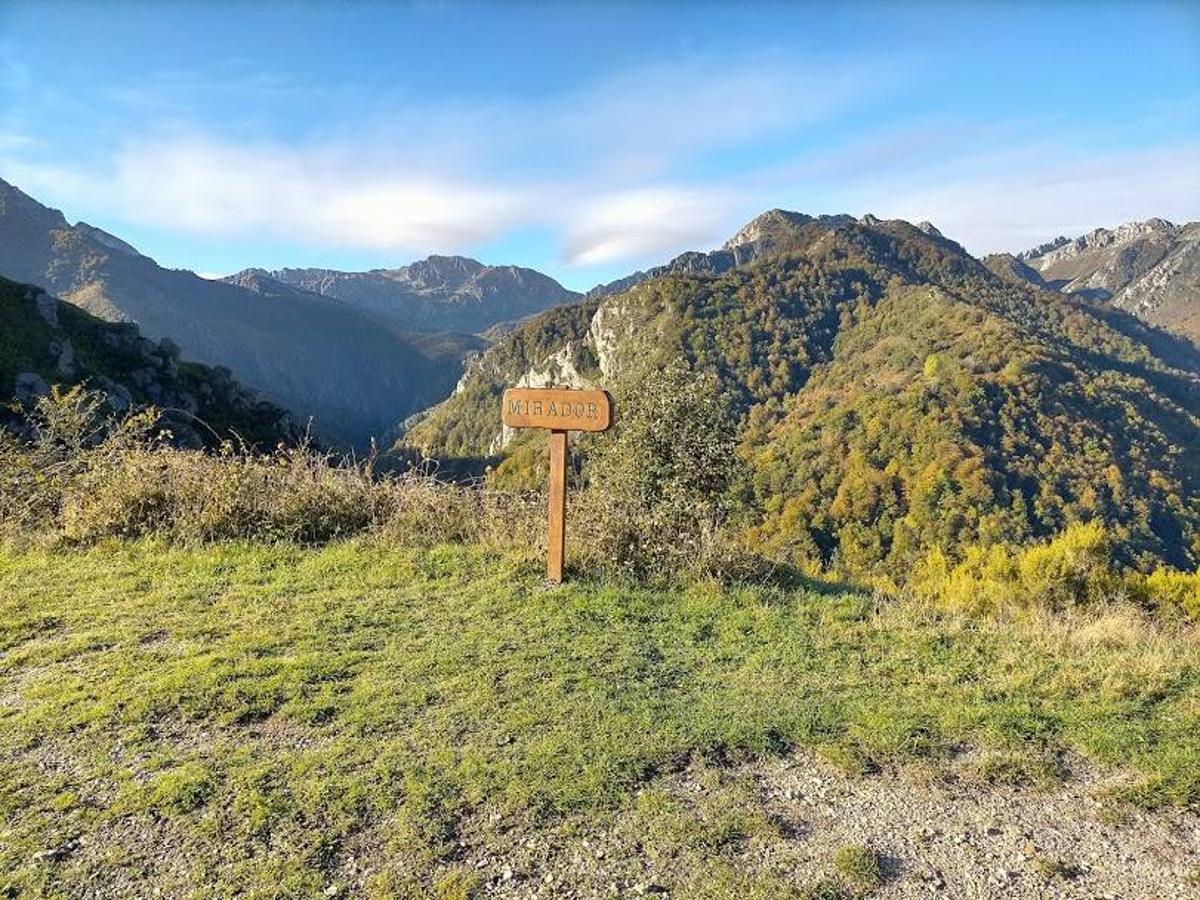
(589, 163)
(643, 222)
(319, 196)
(1051, 192)
(615, 168)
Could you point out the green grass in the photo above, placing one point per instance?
(247, 717)
(860, 866)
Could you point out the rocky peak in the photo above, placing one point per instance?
(1043, 249)
(768, 226)
(20, 207)
(1063, 247)
(439, 272)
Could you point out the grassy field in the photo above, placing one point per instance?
(252, 719)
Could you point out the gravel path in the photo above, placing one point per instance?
(937, 835)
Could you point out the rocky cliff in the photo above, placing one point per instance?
(1150, 269)
(44, 342)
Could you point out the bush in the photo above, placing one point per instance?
(84, 476)
(1173, 594)
(68, 433)
(661, 486)
(1073, 569)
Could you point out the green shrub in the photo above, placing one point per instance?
(1071, 569)
(1175, 594)
(662, 484)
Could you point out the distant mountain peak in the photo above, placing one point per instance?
(1149, 268)
(1100, 237)
(18, 205)
(438, 293)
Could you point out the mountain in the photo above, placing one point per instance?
(895, 395)
(762, 234)
(44, 341)
(441, 293)
(1150, 269)
(315, 355)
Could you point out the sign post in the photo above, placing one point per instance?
(560, 410)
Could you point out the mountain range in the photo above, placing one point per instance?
(1150, 269)
(356, 367)
(893, 392)
(441, 293)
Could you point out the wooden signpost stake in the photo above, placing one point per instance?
(560, 410)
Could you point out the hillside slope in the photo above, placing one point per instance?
(896, 395)
(44, 341)
(1150, 269)
(315, 355)
(440, 293)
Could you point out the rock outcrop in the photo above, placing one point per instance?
(1150, 269)
(50, 342)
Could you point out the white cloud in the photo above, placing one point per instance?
(621, 171)
(1015, 201)
(312, 195)
(636, 223)
(586, 163)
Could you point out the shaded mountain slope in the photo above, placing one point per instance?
(313, 354)
(44, 341)
(440, 293)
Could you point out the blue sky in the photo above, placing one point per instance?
(590, 140)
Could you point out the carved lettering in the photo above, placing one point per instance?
(560, 409)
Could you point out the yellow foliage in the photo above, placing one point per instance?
(1072, 568)
(1174, 592)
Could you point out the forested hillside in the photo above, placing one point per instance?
(894, 396)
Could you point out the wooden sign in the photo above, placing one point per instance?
(558, 409)
(561, 410)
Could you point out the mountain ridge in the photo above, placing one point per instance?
(895, 395)
(1148, 268)
(315, 355)
(438, 293)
